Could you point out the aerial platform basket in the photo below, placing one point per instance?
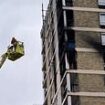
(15, 51)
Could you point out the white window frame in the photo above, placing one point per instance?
(103, 39)
(102, 19)
(101, 2)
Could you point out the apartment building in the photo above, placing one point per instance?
(73, 50)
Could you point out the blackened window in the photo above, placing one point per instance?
(70, 50)
(62, 53)
(69, 15)
(69, 2)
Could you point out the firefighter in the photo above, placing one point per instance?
(14, 42)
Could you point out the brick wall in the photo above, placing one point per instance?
(85, 3)
(89, 60)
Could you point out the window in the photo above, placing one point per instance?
(69, 15)
(103, 39)
(102, 20)
(68, 2)
(70, 49)
(101, 3)
(103, 46)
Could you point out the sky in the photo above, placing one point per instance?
(21, 80)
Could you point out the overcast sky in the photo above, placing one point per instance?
(21, 81)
